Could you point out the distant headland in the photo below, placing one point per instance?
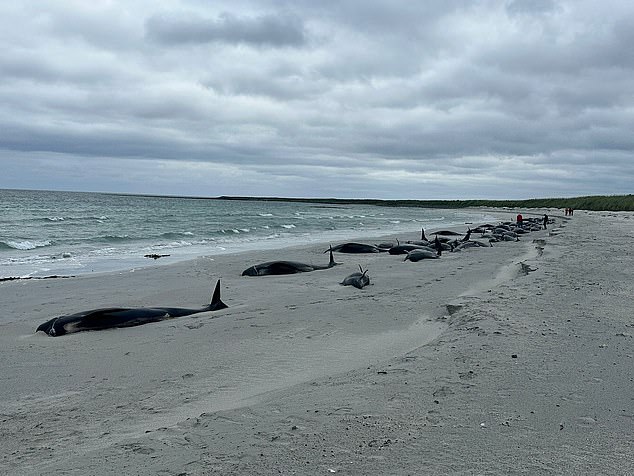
(591, 202)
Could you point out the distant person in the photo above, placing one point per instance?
(520, 219)
(571, 210)
(545, 221)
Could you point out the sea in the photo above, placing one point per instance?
(52, 233)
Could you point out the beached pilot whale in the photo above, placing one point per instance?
(355, 248)
(417, 255)
(358, 279)
(285, 267)
(108, 318)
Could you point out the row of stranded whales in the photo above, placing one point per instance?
(113, 317)
(108, 318)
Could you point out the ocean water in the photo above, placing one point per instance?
(70, 233)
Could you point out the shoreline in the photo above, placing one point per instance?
(142, 399)
(64, 261)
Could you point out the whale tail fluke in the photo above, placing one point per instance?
(363, 273)
(216, 302)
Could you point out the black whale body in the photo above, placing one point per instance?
(355, 248)
(285, 267)
(402, 249)
(113, 317)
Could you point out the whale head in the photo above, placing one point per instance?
(252, 271)
(48, 327)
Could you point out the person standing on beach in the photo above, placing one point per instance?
(545, 221)
(520, 219)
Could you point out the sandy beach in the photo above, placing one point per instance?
(514, 359)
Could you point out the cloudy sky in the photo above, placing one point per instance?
(383, 99)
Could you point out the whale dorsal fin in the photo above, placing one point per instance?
(332, 259)
(216, 302)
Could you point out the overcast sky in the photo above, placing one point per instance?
(378, 99)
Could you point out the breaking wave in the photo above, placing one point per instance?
(24, 245)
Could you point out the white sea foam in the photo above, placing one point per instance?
(27, 245)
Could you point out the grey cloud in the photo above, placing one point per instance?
(282, 88)
(265, 30)
(532, 7)
(390, 99)
(35, 67)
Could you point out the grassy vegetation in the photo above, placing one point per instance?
(596, 202)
